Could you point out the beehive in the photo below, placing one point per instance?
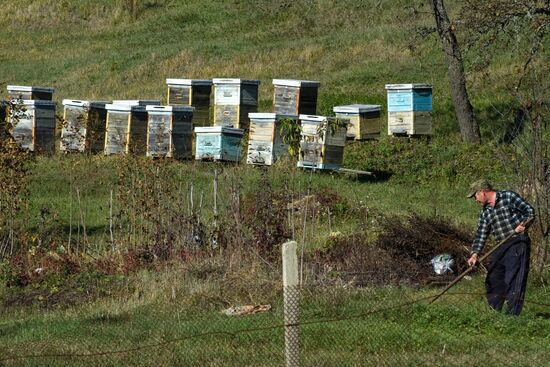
(295, 97)
(265, 143)
(191, 92)
(234, 99)
(33, 126)
(170, 131)
(28, 92)
(126, 127)
(409, 109)
(218, 143)
(84, 126)
(321, 146)
(364, 120)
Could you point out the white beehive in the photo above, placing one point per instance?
(265, 143)
(83, 126)
(126, 128)
(33, 125)
(234, 99)
(28, 92)
(322, 143)
(170, 131)
(295, 97)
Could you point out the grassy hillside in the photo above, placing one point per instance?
(129, 261)
(99, 50)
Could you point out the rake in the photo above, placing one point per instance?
(465, 272)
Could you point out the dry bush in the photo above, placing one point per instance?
(400, 254)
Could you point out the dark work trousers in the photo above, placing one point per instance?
(507, 274)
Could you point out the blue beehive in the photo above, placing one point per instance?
(218, 143)
(409, 109)
(409, 97)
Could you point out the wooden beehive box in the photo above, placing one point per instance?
(234, 99)
(33, 127)
(364, 120)
(28, 92)
(126, 127)
(84, 126)
(265, 143)
(295, 97)
(409, 109)
(410, 123)
(218, 143)
(319, 147)
(170, 131)
(191, 92)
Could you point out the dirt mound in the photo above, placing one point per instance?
(399, 255)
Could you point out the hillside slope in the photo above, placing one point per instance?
(105, 50)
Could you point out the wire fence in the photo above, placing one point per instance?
(334, 327)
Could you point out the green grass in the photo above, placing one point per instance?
(170, 315)
(339, 327)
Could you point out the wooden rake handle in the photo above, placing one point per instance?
(465, 272)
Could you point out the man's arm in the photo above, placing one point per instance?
(483, 231)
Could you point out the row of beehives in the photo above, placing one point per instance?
(145, 127)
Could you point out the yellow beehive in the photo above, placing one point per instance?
(364, 120)
(191, 92)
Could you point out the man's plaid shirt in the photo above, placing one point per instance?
(509, 211)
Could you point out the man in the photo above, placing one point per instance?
(503, 213)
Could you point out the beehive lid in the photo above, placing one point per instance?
(408, 86)
(189, 82)
(168, 109)
(38, 103)
(219, 129)
(23, 88)
(136, 102)
(262, 115)
(357, 108)
(84, 104)
(296, 83)
(313, 118)
(234, 81)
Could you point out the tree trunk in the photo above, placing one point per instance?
(469, 129)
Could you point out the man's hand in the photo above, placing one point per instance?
(473, 259)
(520, 228)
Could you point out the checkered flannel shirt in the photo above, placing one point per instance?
(509, 211)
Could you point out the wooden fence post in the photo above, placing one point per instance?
(291, 293)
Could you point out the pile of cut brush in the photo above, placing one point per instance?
(401, 254)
